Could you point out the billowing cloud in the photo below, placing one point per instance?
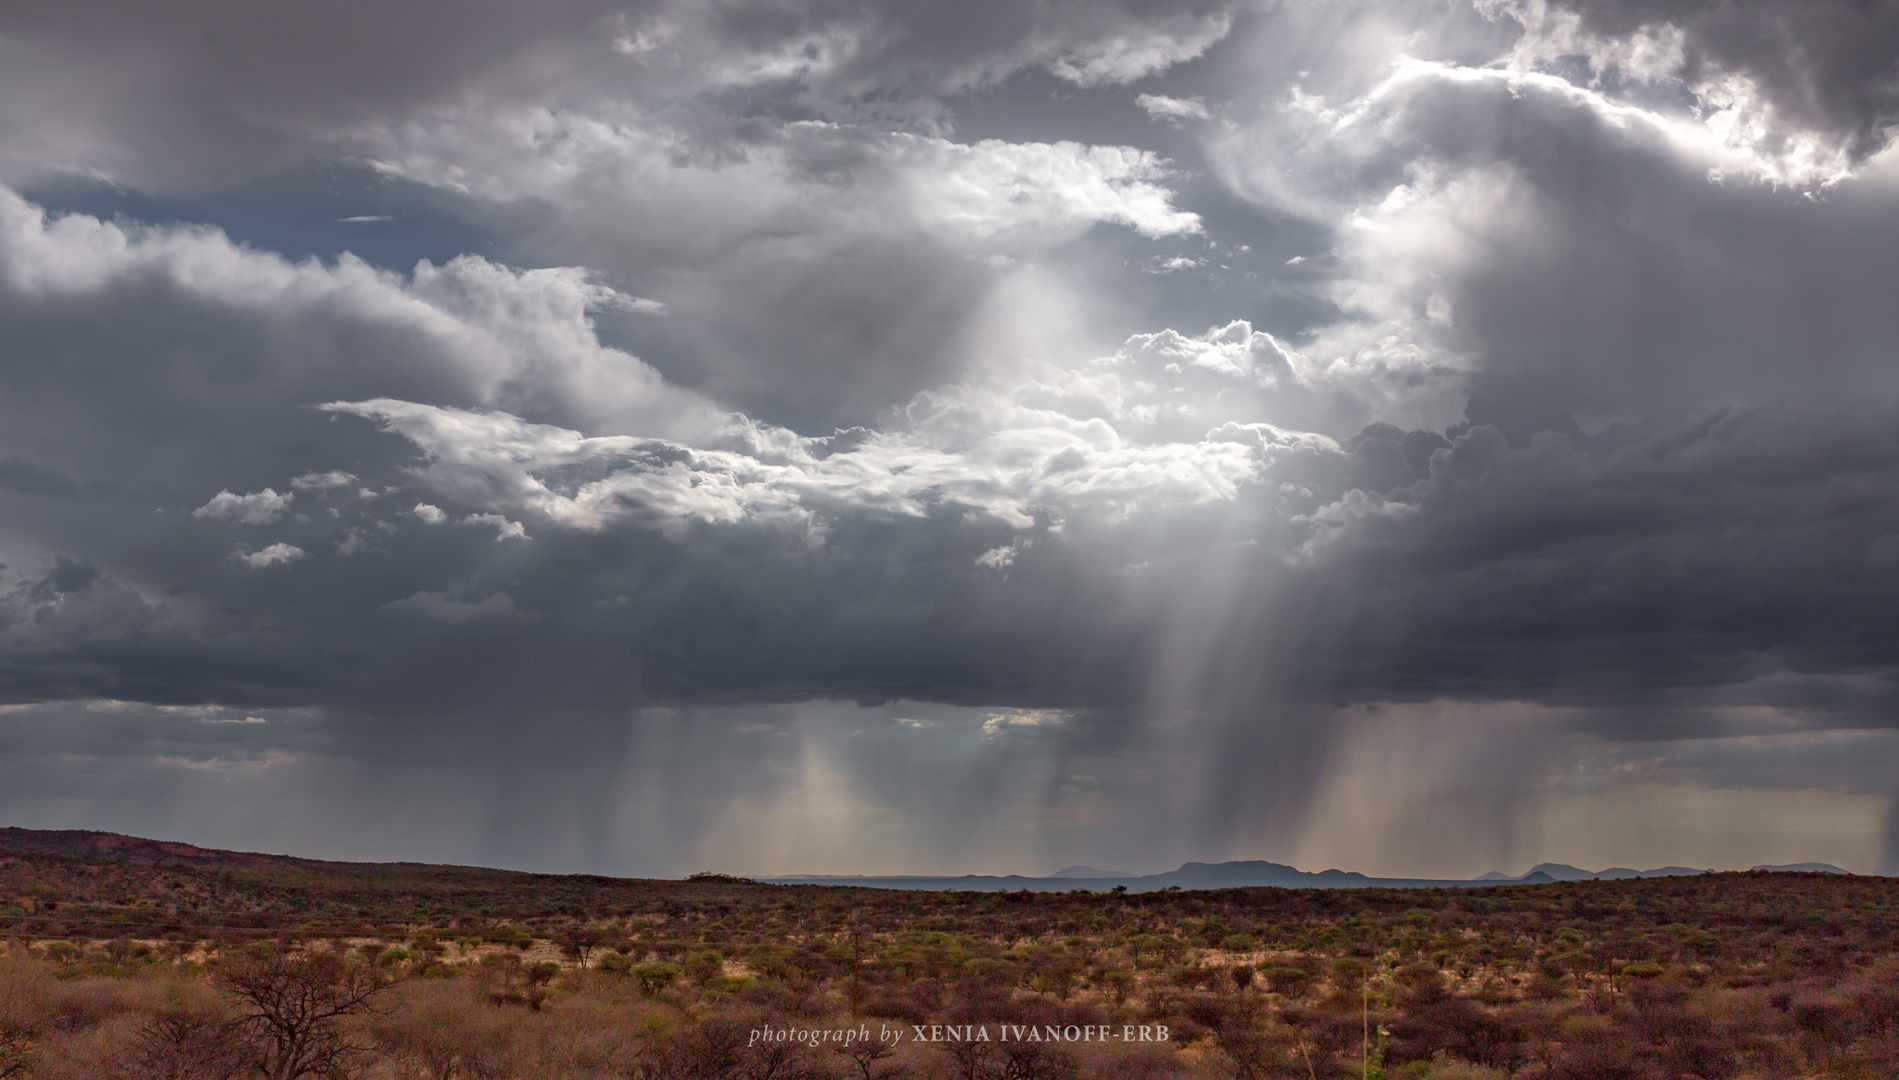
(257, 508)
(861, 254)
(149, 102)
(1823, 87)
(1173, 110)
(322, 481)
(471, 329)
(272, 555)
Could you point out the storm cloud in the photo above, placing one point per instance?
(1105, 424)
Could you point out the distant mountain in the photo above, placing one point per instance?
(1089, 872)
(1561, 872)
(1564, 872)
(1193, 875)
(1804, 868)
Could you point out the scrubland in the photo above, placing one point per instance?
(111, 970)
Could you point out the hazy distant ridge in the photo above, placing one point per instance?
(1193, 875)
(1251, 874)
(117, 847)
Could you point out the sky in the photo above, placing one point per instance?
(827, 436)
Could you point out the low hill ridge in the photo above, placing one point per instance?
(140, 851)
(1802, 868)
(1248, 873)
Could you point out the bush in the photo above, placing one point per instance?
(1286, 980)
(655, 976)
(442, 1031)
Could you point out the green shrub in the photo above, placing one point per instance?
(1284, 980)
(704, 967)
(656, 976)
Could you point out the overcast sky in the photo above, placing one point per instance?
(835, 436)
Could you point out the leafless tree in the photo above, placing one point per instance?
(186, 1044)
(869, 1056)
(291, 1009)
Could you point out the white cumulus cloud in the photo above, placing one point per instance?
(274, 555)
(1174, 110)
(256, 508)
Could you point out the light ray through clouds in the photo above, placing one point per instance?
(816, 454)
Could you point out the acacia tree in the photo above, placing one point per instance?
(579, 940)
(291, 1009)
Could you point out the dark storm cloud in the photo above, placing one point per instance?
(1626, 277)
(205, 92)
(1740, 558)
(1519, 558)
(662, 154)
(21, 475)
(1830, 67)
(463, 539)
(215, 90)
(67, 576)
(943, 47)
(1715, 554)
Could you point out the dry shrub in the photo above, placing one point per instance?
(588, 1036)
(1038, 1061)
(1135, 1063)
(895, 1004)
(1448, 1070)
(187, 1043)
(64, 1027)
(104, 1051)
(79, 1004)
(25, 986)
(18, 1017)
(1595, 1048)
(443, 1031)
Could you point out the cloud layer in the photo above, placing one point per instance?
(1157, 390)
